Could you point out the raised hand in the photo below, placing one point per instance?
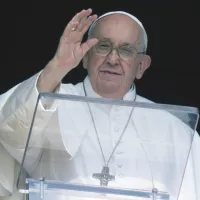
(71, 49)
(69, 53)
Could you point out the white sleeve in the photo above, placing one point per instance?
(6, 172)
(16, 111)
(17, 108)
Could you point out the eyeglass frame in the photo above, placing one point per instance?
(112, 47)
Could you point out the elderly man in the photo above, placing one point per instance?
(114, 56)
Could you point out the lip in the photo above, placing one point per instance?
(111, 72)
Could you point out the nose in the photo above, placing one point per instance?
(113, 58)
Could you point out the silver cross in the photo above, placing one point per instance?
(104, 176)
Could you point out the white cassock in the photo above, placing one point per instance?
(75, 148)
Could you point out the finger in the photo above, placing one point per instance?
(86, 46)
(73, 24)
(82, 22)
(83, 19)
(70, 28)
(88, 22)
(83, 14)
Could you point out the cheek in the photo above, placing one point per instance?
(95, 63)
(130, 72)
(129, 69)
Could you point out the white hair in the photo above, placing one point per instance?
(144, 37)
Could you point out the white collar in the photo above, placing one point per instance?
(129, 96)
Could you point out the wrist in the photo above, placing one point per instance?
(50, 77)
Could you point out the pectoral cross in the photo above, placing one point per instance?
(104, 176)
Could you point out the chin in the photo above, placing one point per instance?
(108, 90)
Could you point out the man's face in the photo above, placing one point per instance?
(112, 74)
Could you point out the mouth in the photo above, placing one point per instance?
(108, 72)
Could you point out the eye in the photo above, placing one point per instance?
(104, 46)
(126, 50)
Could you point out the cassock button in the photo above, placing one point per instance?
(120, 165)
(116, 128)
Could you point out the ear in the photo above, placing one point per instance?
(85, 61)
(143, 66)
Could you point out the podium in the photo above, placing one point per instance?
(82, 148)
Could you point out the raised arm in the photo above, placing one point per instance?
(69, 53)
(18, 103)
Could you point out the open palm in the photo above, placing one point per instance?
(71, 50)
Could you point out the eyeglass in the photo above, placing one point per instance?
(126, 53)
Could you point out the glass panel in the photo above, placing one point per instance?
(141, 146)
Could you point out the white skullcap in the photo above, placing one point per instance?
(123, 13)
(118, 12)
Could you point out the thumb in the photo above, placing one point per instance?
(86, 46)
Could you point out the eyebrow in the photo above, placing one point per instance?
(121, 45)
(105, 40)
